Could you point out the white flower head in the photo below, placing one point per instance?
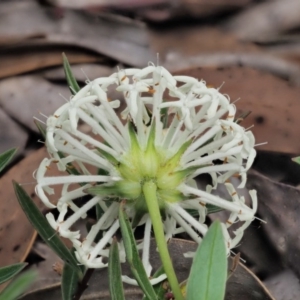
(167, 142)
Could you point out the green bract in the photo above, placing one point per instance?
(138, 166)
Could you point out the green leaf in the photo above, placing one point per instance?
(72, 82)
(242, 117)
(211, 209)
(69, 282)
(132, 256)
(18, 286)
(296, 159)
(164, 116)
(160, 288)
(42, 226)
(8, 272)
(208, 274)
(6, 157)
(41, 128)
(99, 211)
(115, 273)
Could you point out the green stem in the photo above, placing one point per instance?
(149, 190)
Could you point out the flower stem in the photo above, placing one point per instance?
(149, 190)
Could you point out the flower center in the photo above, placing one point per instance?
(143, 164)
(138, 166)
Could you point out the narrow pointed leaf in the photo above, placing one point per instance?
(115, 273)
(18, 286)
(296, 159)
(42, 226)
(211, 209)
(242, 117)
(132, 256)
(160, 288)
(208, 274)
(72, 82)
(41, 128)
(8, 272)
(6, 157)
(69, 282)
(164, 116)
(99, 211)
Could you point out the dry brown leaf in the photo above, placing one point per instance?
(33, 55)
(258, 60)
(205, 8)
(279, 206)
(274, 103)
(157, 10)
(16, 233)
(265, 19)
(278, 166)
(191, 40)
(81, 4)
(117, 37)
(47, 276)
(244, 284)
(186, 46)
(81, 72)
(284, 286)
(12, 135)
(289, 51)
(34, 94)
(9, 40)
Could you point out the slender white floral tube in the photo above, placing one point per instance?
(172, 129)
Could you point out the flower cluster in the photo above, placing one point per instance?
(167, 142)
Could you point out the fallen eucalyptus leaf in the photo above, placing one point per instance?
(275, 115)
(34, 95)
(48, 269)
(32, 55)
(265, 19)
(114, 36)
(12, 135)
(279, 207)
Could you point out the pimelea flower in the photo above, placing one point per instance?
(166, 142)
